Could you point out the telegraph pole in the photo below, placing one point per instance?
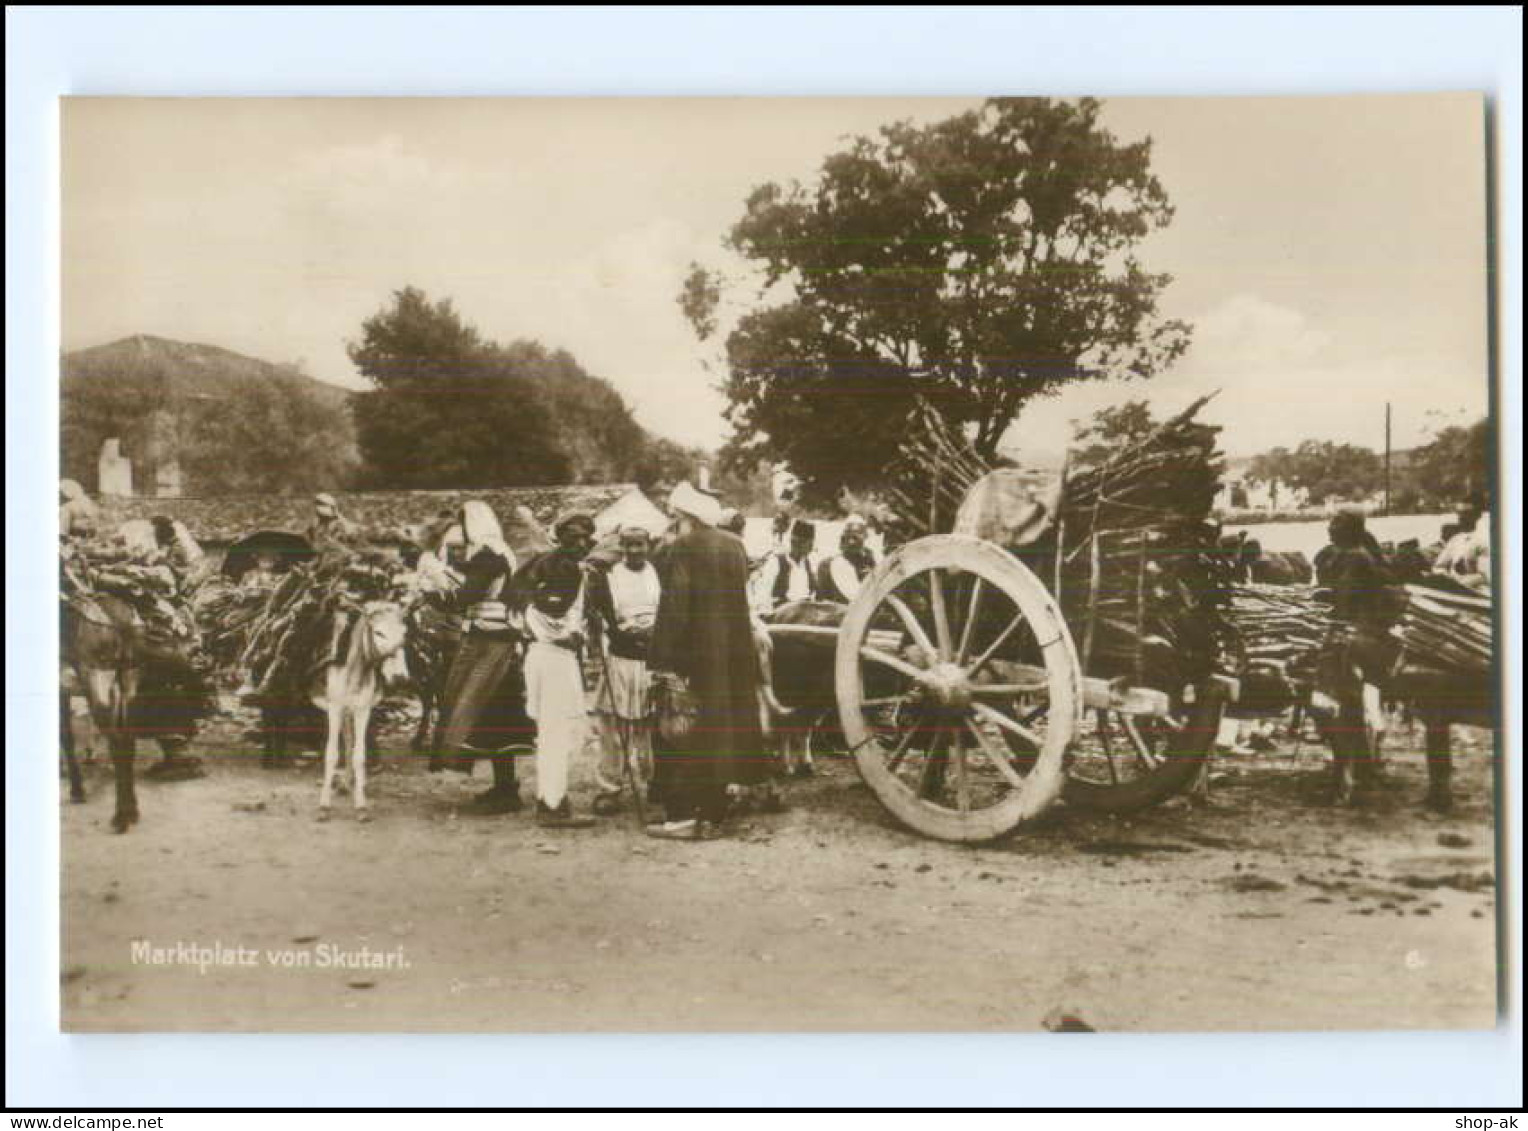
(1387, 458)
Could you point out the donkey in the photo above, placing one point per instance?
(105, 649)
(351, 687)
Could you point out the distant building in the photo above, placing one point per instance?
(167, 480)
(1266, 495)
(114, 472)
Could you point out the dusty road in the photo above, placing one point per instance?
(1265, 911)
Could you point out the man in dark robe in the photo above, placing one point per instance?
(703, 644)
(1357, 651)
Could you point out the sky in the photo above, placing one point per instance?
(1329, 252)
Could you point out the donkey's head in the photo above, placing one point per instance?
(382, 631)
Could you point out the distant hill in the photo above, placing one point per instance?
(193, 369)
(238, 425)
(231, 422)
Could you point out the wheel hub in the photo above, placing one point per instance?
(946, 685)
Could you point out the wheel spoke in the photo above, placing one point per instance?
(914, 629)
(941, 614)
(895, 663)
(884, 700)
(966, 629)
(932, 774)
(998, 757)
(1006, 690)
(962, 782)
(1143, 749)
(992, 648)
(993, 715)
(903, 744)
(1106, 740)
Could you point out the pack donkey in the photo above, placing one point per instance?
(349, 689)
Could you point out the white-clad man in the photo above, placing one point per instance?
(549, 592)
(1467, 556)
(623, 603)
(839, 578)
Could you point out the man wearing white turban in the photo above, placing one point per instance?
(703, 648)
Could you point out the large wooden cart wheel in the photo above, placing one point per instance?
(1131, 760)
(958, 688)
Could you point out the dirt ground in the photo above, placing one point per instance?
(1265, 910)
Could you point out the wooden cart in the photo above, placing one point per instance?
(960, 695)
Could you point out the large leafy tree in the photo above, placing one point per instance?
(449, 408)
(977, 262)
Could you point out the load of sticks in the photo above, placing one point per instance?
(1447, 627)
(226, 613)
(1279, 625)
(150, 587)
(1132, 555)
(933, 473)
(303, 620)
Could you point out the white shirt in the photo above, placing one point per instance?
(635, 594)
(844, 576)
(797, 588)
(1468, 554)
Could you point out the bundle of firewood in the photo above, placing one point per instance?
(225, 613)
(931, 475)
(1447, 627)
(1132, 556)
(1282, 625)
(1141, 578)
(300, 625)
(146, 583)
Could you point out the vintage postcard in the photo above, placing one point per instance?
(616, 565)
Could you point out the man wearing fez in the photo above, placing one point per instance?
(788, 576)
(549, 594)
(703, 653)
(623, 605)
(330, 529)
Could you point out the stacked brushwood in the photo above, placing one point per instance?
(1281, 626)
(173, 696)
(1446, 627)
(930, 477)
(304, 621)
(150, 587)
(1132, 556)
(1141, 577)
(227, 612)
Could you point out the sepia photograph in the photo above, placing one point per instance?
(609, 565)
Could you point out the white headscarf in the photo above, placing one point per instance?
(481, 527)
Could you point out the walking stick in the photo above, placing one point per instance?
(633, 783)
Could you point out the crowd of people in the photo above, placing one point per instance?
(672, 622)
(674, 625)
